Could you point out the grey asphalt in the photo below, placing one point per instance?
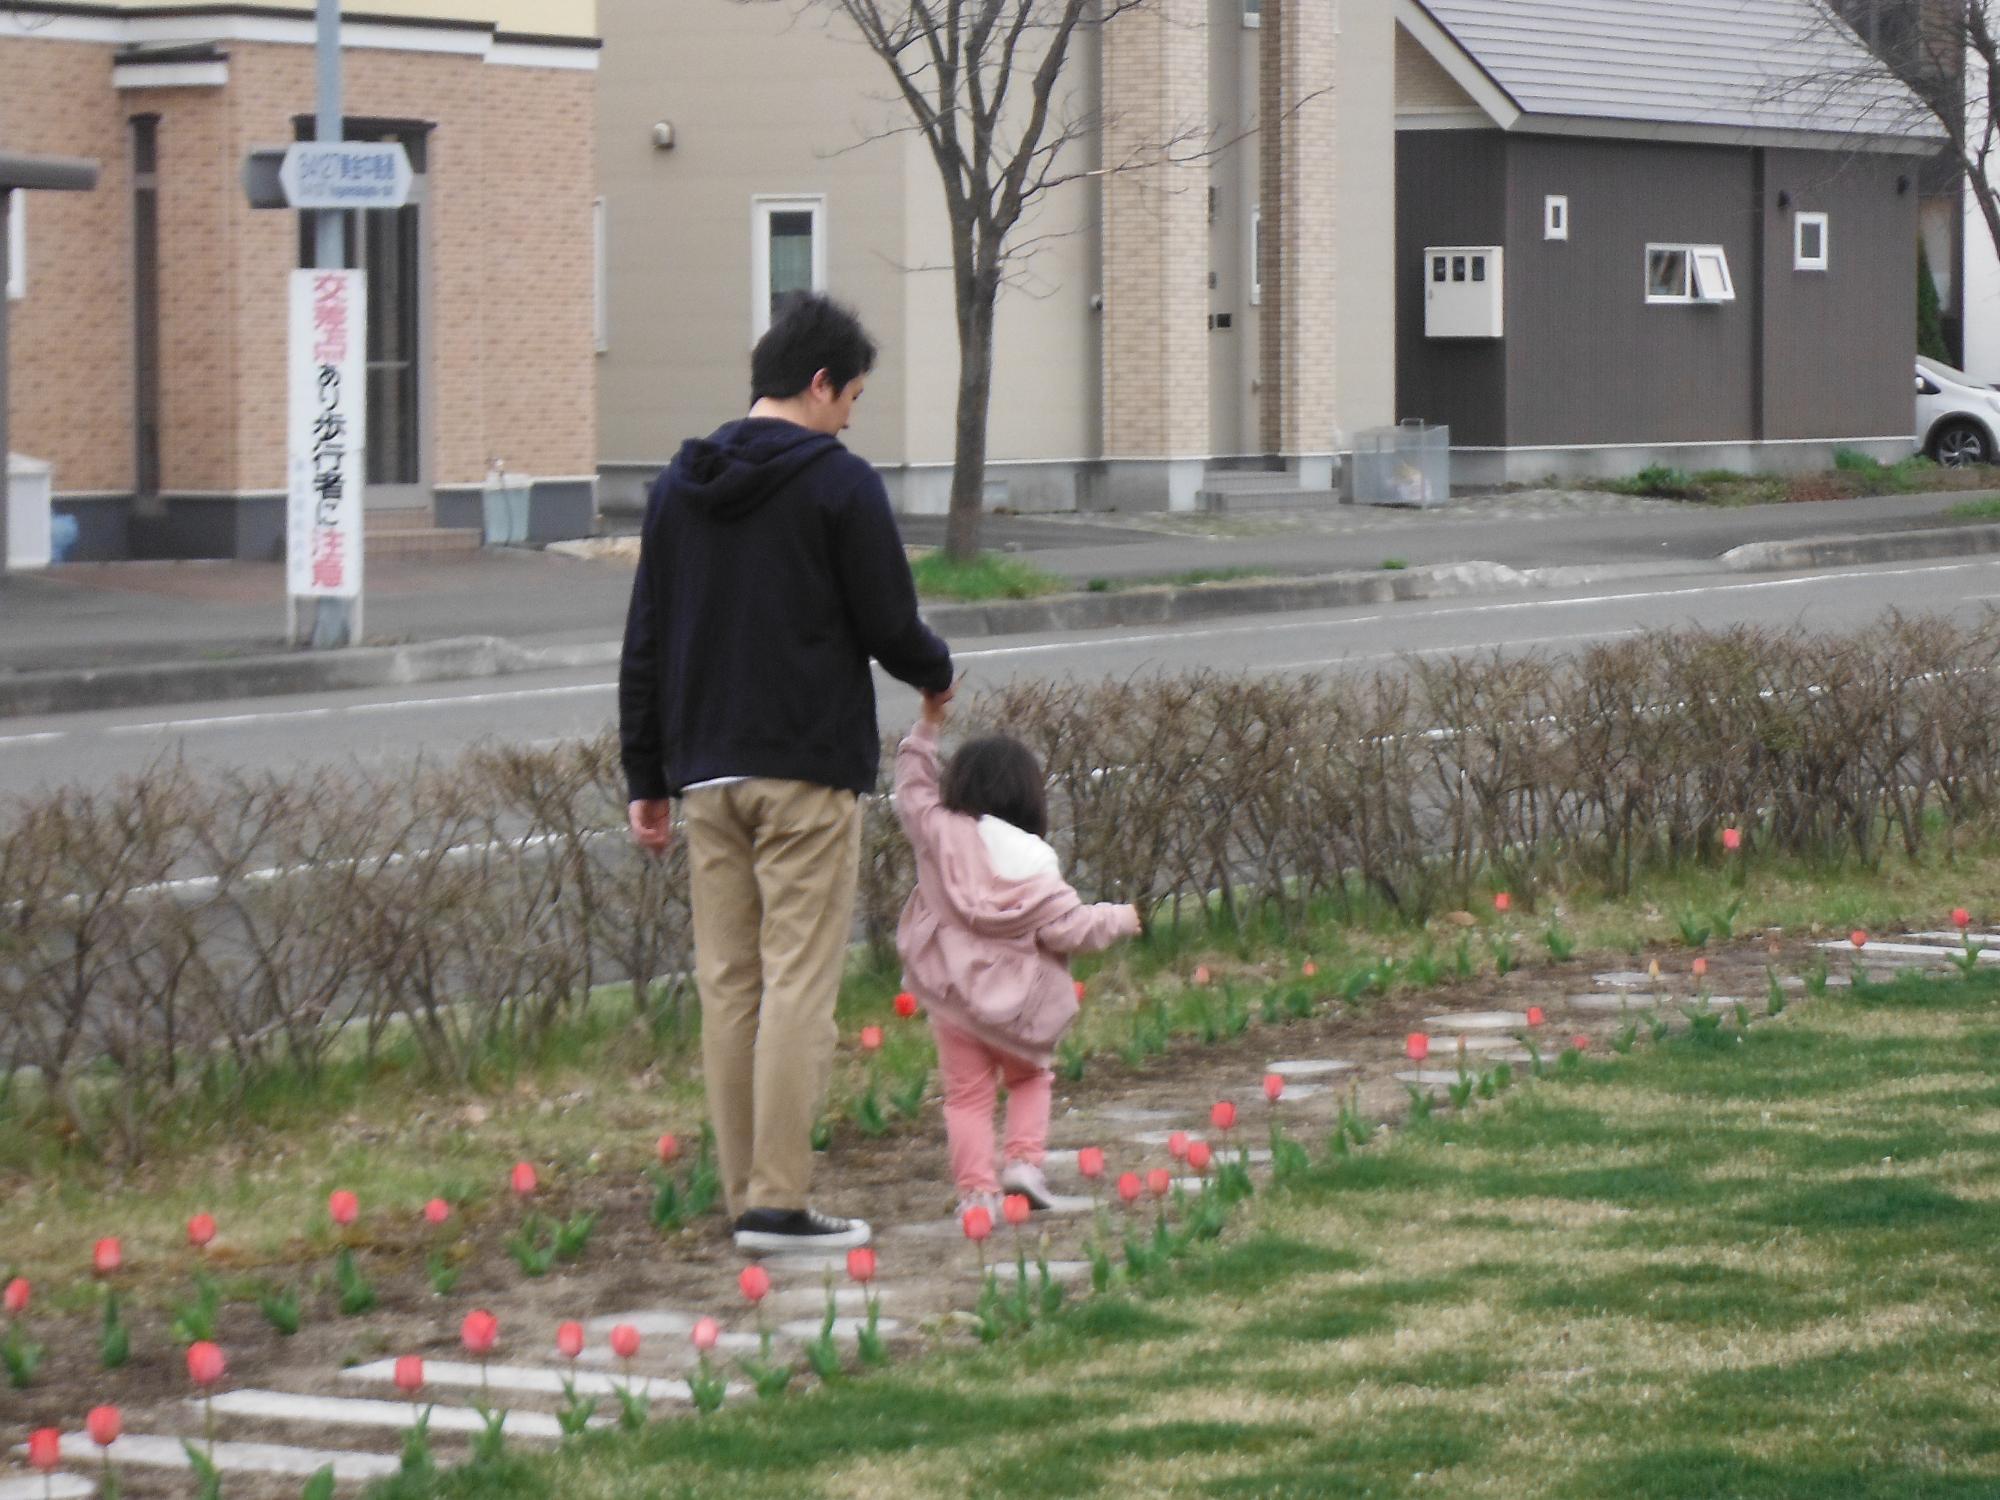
(93, 615)
(388, 728)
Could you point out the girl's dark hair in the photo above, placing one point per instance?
(998, 777)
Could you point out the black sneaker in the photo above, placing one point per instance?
(778, 1229)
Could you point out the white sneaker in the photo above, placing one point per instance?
(1026, 1179)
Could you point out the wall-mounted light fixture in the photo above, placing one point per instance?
(663, 135)
(1784, 197)
(1902, 184)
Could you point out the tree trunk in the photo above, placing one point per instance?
(977, 297)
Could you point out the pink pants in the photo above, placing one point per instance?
(971, 1070)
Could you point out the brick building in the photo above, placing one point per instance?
(149, 326)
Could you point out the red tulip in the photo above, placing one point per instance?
(569, 1339)
(706, 1332)
(669, 1147)
(755, 1282)
(1079, 992)
(1177, 1145)
(205, 1363)
(861, 1264)
(1274, 1086)
(1732, 839)
(436, 1212)
(343, 1207)
(1014, 1209)
(977, 1224)
(1201, 974)
(1158, 1181)
(1581, 1043)
(1700, 967)
(15, 1298)
(1961, 918)
(1223, 1115)
(1858, 938)
(1199, 1155)
(104, 1425)
(479, 1332)
(1090, 1162)
(1128, 1187)
(1535, 1016)
(410, 1374)
(1309, 968)
(201, 1230)
(906, 1005)
(1503, 903)
(106, 1256)
(522, 1179)
(625, 1341)
(1416, 1046)
(45, 1448)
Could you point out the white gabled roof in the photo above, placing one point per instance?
(1742, 65)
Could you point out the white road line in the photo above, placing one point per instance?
(275, 716)
(1532, 640)
(32, 739)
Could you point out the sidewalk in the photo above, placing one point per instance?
(113, 617)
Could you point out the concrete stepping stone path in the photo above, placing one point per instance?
(1478, 1020)
(1430, 1077)
(396, 1416)
(1912, 950)
(843, 1328)
(1308, 1067)
(59, 1487)
(535, 1380)
(1616, 1003)
(1629, 979)
(146, 1451)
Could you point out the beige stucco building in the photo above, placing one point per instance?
(1144, 347)
(149, 331)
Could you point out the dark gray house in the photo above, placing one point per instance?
(1633, 232)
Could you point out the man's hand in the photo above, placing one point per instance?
(652, 823)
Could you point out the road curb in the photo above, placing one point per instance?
(1860, 547)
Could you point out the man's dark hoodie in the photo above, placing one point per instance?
(770, 571)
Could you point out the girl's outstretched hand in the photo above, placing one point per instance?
(937, 705)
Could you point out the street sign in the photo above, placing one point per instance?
(346, 174)
(328, 434)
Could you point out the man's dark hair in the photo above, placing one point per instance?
(810, 333)
(998, 777)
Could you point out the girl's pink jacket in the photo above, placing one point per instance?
(988, 952)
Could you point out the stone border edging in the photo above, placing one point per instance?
(1863, 547)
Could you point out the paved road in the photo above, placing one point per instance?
(389, 727)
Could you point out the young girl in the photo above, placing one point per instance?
(985, 942)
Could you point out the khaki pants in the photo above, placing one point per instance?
(773, 866)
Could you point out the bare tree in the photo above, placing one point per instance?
(982, 81)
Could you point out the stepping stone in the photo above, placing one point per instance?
(654, 1322)
(399, 1416)
(670, 1350)
(1426, 1077)
(59, 1487)
(535, 1380)
(807, 1329)
(1133, 1114)
(1795, 983)
(1308, 1067)
(926, 1229)
(1059, 1161)
(1909, 950)
(1709, 1002)
(807, 1264)
(1479, 1020)
(142, 1451)
(1957, 941)
(1615, 1004)
(1627, 979)
(1477, 1045)
(1298, 1093)
(813, 1299)
(1059, 1270)
(1159, 1138)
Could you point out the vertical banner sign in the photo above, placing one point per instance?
(329, 387)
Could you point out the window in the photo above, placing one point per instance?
(600, 312)
(1256, 254)
(1253, 12)
(1555, 217)
(17, 246)
(1809, 242)
(1688, 273)
(788, 254)
(146, 300)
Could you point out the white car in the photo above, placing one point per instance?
(1957, 417)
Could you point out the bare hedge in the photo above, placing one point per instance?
(172, 935)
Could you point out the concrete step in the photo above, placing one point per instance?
(1249, 499)
(427, 542)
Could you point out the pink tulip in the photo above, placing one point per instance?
(569, 1339)
(1129, 1187)
(977, 1224)
(343, 1207)
(1199, 1155)
(705, 1334)
(1014, 1209)
(479, 1332)
(522, 1179)
(668, 1147)
(1581, 1043)
(1503, 903)
(1090, 1163)
(755, 1282)
(906, 1005)
(871, 1038)
(436, 1212)
(15, 1298)
(1961, 918)
(1416, 1046)
(1079, 992)
(1535, 1016)
(1274, 1086)
(1309, 968)
(1158, 1181)
(45, 1448)
(106, 1257)
(205, 1364)
(1223, 1115)
(1201, 974)
(625, 1341)
(1732, 839)
(1858, 938)
(1700, 968)
(861, 1264)
(104, 1425)
(410, 1374)
(201, 1230)
(1177, 1145)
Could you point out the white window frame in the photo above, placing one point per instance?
(1800, 260)
(1256, 254)
(600, 283)
(1705, 281)
(17, 247)
(1555, 217)
(1253, 14)
(762, 208)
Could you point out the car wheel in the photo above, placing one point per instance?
(1961, 443)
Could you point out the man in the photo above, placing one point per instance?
(770, 571)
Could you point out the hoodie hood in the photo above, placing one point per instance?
(742, 464)
(1008, 897)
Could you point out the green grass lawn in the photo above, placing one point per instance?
(1758, 1267)
(1977, 510)
(990, 575)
